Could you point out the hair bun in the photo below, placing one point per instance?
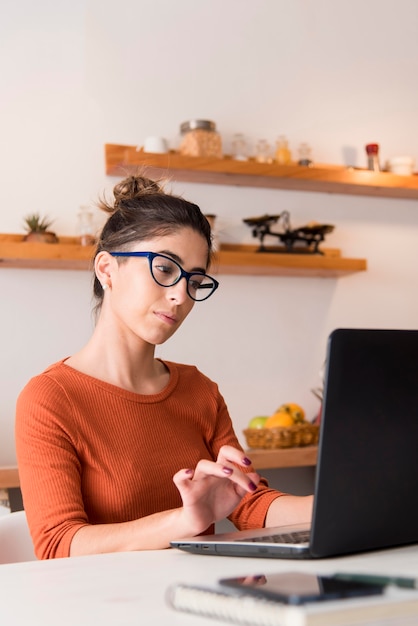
(134, 187)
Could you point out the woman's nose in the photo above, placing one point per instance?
(178, 292)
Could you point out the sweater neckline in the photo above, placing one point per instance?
(130, 395)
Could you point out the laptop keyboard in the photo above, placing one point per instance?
(300, 536)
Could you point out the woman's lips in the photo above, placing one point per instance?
(168, 318)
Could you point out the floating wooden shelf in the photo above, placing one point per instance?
(122, 160)
(244, 259)
(9, 477)
(67, 254)
(231, 259)
(283, 457)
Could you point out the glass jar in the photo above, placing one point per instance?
(305, 155)
(239, 146)
(200, 139)
(85, 226)
(263, 151)
(283, 155)
(372, 151)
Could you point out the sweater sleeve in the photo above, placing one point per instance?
(49, 468)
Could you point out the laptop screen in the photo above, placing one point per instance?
(367, 476)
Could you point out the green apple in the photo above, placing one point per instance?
(258, 422)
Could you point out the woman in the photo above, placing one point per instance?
(118, 450)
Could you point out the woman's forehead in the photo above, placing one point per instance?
(184, 244)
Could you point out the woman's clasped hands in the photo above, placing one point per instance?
(212, 490)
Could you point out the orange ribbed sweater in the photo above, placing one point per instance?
(92, 453)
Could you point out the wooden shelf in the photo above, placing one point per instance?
(67, 254)
(244, 259)
(9, 477)
(231, 259)
(283, 457)
(121, 160)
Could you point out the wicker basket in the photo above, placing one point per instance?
(305, 434)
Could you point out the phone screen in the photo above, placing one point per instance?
(298, 588)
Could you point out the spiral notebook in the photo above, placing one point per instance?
(395, 607)
(367, 456)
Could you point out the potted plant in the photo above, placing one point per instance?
(37, 229)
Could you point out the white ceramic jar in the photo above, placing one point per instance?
(401, 165)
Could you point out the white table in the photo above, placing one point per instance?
(127, 589)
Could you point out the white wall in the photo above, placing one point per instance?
(336, 74)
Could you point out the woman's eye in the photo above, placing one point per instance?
(194, 284)
(165, 269)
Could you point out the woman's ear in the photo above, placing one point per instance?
(104, 266)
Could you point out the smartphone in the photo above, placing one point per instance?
(298, 587)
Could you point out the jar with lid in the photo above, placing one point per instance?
(200, 139)
(283, 155)
(305, 155)
(372, 151)
(85, 226)
(263, 151)
(239, 147)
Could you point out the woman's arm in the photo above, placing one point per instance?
(289, 510)
(209, 493)
(205, 499)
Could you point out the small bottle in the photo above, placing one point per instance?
(85, 226)
(263, 151)
(283, 155)
(372, 150)
(305, 155)
(239, 147)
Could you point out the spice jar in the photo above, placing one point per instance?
(200, 138)
(283, 155)
(263, 151)
(305, 155)
(85, 226)
(372, 151)
(239, 147)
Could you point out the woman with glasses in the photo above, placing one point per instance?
(117, 449)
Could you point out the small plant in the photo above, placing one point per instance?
(34, 223)
(37, 229)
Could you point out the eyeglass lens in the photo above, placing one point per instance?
(167, 273)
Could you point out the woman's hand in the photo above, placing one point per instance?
(212, 490)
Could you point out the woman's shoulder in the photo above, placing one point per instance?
(190, 374)
(52, 376)
(183, 369)
(46, 389)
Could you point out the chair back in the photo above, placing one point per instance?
(15, 540)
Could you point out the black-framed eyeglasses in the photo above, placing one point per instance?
(166, 272)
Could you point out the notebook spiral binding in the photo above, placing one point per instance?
(236, 609)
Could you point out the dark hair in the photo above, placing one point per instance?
(143, 210)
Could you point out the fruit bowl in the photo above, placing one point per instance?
(302, 434)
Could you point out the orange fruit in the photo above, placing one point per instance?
(294, 410)
(280, 418)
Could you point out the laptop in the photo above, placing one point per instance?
(366, 479)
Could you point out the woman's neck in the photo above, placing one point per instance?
(127, 364)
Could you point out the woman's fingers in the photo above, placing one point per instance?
(247, 481)
(228, 454)
(183, 476)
